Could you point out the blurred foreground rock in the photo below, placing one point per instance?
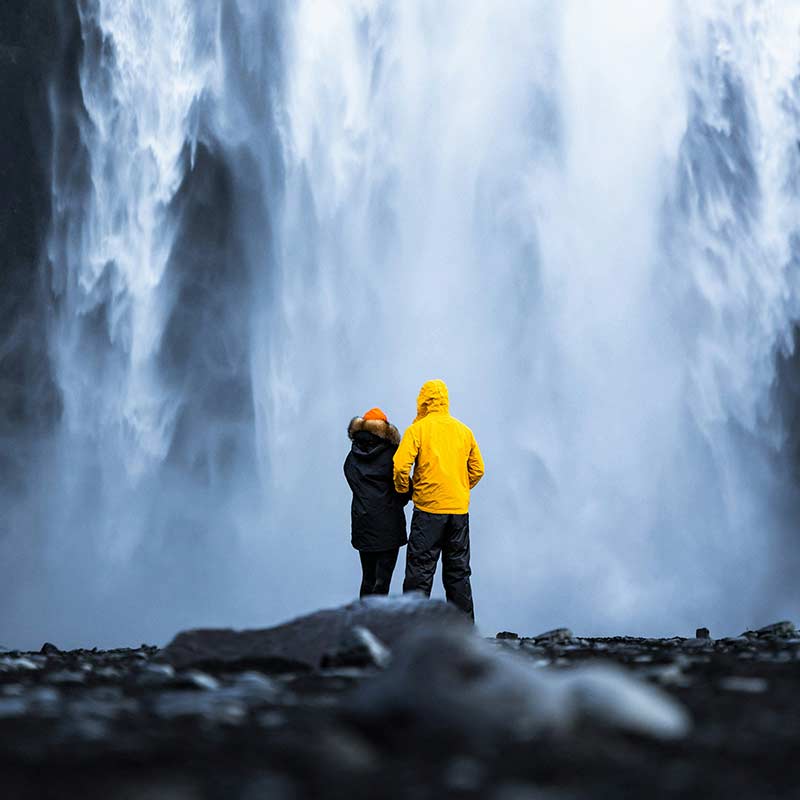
(455, 687)
(399, 698)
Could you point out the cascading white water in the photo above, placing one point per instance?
(139, 84)
(582, 216)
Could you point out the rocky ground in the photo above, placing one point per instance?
(404, 701)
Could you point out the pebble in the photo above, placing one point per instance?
(271, 719)
(231, 713)
(507, 645)
(171, 704)
(670, 675)
(44, 696)
(464, 774)
(273, 787)
(7, 664)
(100, 707)
(108, 673)
(359, 647)
(697, 643)
(555, 635)
(736, 683)
(201, 680)
(782, 629)
(66, 677)
(538, 663)
(155, 675)
(12, 707)
(91, 729)
(254, 684)
(520, 791)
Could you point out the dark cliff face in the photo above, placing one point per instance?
(39, 43)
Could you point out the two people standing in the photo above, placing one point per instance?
(446, 464)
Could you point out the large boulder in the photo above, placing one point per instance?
(305, 643)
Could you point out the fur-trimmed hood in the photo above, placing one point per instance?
(378, 427)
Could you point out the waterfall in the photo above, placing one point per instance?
(583, 216)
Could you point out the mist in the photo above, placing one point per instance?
(265, 218)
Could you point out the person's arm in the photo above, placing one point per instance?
(406, 498)
(474, 464)
(404, 459)
(348, 470)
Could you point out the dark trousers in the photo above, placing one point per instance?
(432, 534)
(376, 571)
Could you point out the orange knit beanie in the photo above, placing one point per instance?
(375, 413)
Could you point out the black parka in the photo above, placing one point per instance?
(377, 518)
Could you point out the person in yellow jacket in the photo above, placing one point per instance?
(447, 465)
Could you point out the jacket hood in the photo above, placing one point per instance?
(432, 397)
(377, 427)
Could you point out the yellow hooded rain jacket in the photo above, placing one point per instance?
(443, 451)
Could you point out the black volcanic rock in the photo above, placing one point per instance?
(557, 635)
(784, 629)
(358, 648)
(456, 689)
(451, 716)
(304, 643)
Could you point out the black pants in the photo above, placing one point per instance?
(377, 568)
(432, 534)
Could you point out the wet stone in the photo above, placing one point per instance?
(697, 643)
(359, 647)
(784, 629)
(464, 774)
(155, 675)
(44, 697)
(257, 690)
(102, 706)
(108, 673)
(532, 648)
(750, 685)
(669, 675)
(67, 677)
(272, 719)
(12, 707)
(507, 635)
(199, 680)
(702, 633)
(12, 664)
(508, 645)
(555, 636)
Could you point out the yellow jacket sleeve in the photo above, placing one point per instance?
(474, 464)
(404, 459)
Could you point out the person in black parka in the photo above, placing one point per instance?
(377, 517)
